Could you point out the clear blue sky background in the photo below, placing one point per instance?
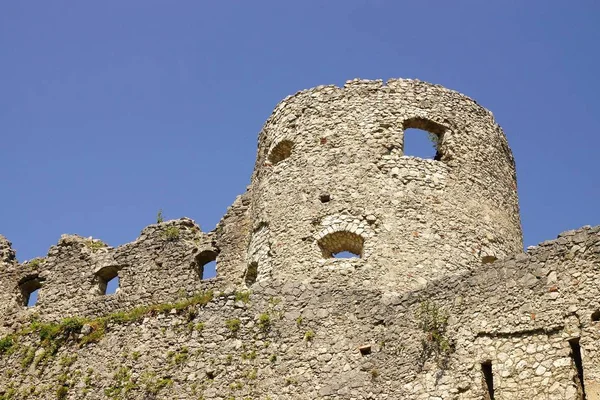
(111, 110)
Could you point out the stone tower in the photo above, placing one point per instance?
(331, 175)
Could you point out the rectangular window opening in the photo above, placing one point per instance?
(577, 362)
(488, 380)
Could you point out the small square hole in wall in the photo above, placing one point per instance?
(596, 316)
(420, 143)
(423, 138)
(365, 350)
(325, 198)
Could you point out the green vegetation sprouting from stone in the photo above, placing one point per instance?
(121, 384)
(249, 355)
(9, 394)
(244, 297)
(67, 361)
(171, 233)
(233, 325)
(61, 392)
(433, 321)
(251, 374)
(35, 263)
(95, 244)
(28, 358)
(6, 344)
(264, 322)
(179, 357)
(159, 217)
(374, 374)
(309, 336)
(53, 335)
(152, 385)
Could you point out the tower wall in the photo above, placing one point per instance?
(331, 175)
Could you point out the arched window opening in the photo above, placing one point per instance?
(30, 287)
(281, 151)
(423, 138)
(108, 280)
(251, 274)
(342, 244)
(206, 264)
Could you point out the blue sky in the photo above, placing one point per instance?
(112, 110)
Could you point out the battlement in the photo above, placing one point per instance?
(164, 263)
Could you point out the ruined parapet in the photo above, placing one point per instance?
(164, 264)
(331, 175)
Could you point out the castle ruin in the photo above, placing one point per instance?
(439, 302)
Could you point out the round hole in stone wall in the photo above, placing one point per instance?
(596, 316)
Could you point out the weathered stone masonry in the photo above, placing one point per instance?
(440, 302)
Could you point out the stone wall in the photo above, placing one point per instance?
(328, 337)
(523, 315)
